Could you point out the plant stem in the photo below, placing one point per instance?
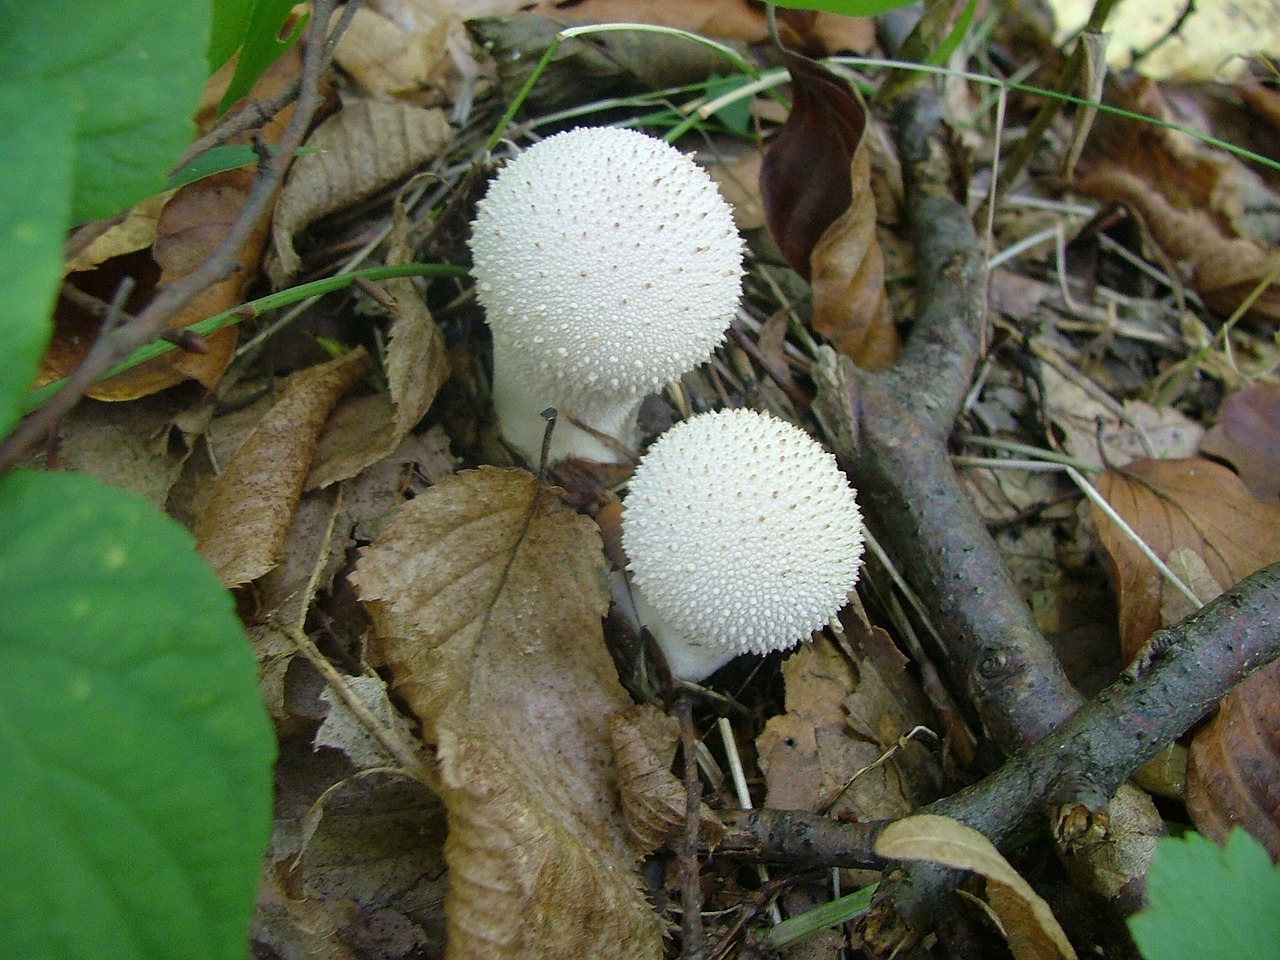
(247, 311)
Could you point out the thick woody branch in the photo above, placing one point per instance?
(1198, 662)
(890, 433)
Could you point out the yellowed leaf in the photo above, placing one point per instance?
(1030, 926)
(242, 529)
(486, 595)
(1193, 504)
(367, 146)
(135, 232)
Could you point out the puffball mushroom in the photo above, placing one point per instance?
(742, 535)
(607, 263)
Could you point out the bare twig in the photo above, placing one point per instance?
(691, 881)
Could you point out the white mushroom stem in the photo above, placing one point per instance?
(742, 536)
(607, 264)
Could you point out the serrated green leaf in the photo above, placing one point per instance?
(1208, 902)
(135, 753)
(38, 148)
(138, 68)
(847, 8)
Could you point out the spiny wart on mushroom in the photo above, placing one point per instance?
(607, 264)
(742, 536)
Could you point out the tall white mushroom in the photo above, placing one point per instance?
(742, 536)
(607, 263)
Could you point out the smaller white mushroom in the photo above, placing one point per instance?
(742, 536)
(607, 263)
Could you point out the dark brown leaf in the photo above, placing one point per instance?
(1196, 505)
(1247, 435)
(1233, 769)
(815, 185)
(804, 181)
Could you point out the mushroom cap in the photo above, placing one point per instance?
(606, 262)
(743, 536)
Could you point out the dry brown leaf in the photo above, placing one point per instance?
(723, 19)
(375, 842)
(1030, 926)
(1188, 199)
(137, 231)
(367, 146)
(1195, 504)
(1233, 767)
(134, 446)
(364, 430)
(653, 800)
(840, 720)
(1247, 435)
(1092, 432)
(241, 531)
(390, 58)
(487, 594)
(815, 184)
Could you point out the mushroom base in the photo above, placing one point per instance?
(519, 412)
(690, 658)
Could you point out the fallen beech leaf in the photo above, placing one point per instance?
(815, 184)
(1029, 924)
(1233, 766)
(1247, 435)
(486, 595)
(365, 147)
(242, 529)
(1195, 504)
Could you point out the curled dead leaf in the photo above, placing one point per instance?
(815, 185)
(242, 529)
(487, 595)
(1030, 926)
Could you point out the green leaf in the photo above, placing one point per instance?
(226, 32)
(1208, 902)
(135, 753)
(138, 67)
(952, 40)
(847, 8)
(261, 45)
(38, 148)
